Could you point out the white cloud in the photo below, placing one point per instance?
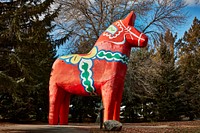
(192, 2)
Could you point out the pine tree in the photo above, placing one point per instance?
(138, 91)
(167, 83)
(26, 53)
(189, 61)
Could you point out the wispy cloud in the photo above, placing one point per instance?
(192, 2)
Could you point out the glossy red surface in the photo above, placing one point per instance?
(100, 72)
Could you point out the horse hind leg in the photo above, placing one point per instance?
(56, 97)
(64, 109)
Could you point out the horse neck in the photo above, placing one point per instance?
(122, 50)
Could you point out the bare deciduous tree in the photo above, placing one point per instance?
(85, 20)
(163, 15)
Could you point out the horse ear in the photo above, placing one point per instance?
(130, 19)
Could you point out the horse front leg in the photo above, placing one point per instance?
(108, 98)
(116, 115)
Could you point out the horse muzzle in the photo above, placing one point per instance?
(143, 40)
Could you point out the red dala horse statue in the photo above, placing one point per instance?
(100, 72)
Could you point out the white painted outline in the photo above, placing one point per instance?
(140, 39)
(83, 79)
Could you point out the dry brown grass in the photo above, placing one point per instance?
(157, 127)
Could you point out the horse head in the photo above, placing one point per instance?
(123, 32)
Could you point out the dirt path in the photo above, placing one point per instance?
(30, 128)
(154, 127)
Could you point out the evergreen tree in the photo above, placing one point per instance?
(167, 83)
(26, 53)
(189, 62)
(138, 91)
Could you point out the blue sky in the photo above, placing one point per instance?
(193, 11)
